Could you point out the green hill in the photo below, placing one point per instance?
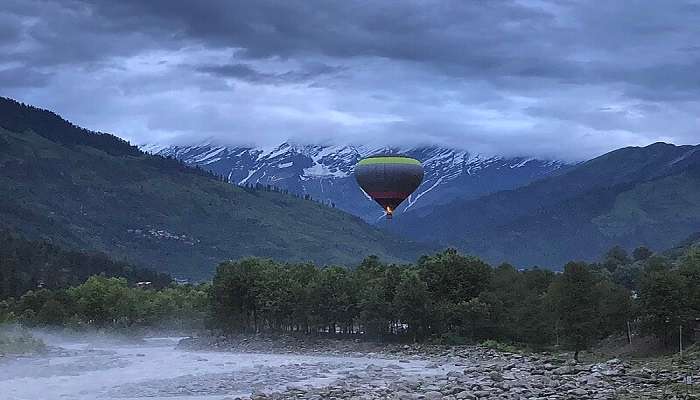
(630, 197)
(84, 190)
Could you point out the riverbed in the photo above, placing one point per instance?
(267, 368)
(155, 369)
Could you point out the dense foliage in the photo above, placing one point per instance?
(445, 297)
(440, 295)
(26, 265)
(111, 303)
(451, 297)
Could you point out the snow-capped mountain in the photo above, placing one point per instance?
(325, 172)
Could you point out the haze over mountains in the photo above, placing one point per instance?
(325, 172)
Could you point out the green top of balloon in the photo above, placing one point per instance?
(389, 160)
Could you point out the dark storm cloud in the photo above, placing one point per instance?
(570, 42)
(466, 37)
(20, 77)
(51, 33)
(561, 79)
(10, 28)
(417, 31)
(247, 72)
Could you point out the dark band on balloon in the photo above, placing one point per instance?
(389, 195)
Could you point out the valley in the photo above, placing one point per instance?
(349, 200)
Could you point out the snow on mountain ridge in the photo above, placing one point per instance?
(325, 171)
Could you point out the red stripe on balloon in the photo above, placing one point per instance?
(389, 195)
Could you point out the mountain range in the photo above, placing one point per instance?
(630, 197)
(84, 190)
(185, 208)
(520, 210)
(325, 172)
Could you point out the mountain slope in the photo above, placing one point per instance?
(689, 247)
(96, 192)
(325, 172)
(632, 196)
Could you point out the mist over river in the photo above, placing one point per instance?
(155, 369)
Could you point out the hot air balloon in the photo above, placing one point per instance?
(389, 179)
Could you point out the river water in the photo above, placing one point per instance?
(155, 369)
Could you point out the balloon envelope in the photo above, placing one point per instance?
(389, 179)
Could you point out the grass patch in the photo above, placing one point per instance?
(500, 346)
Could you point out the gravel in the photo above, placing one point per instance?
(458, 372)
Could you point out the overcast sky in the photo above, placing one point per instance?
(559, 79)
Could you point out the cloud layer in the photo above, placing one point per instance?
(555, 79)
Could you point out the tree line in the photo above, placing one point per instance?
(445, 297)
(19, 117)
(454, 298)
(259, 187)
(111, 303)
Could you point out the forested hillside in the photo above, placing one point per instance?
(633, 196)
(29, 265)
(83, 190)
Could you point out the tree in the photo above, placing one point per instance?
(474, 315)
(538, 280)
(334, 298)
(534, 321)
(507, 290)
(576, 305)
(452, 278)
(628, 275)
(102, 301)
(690, 269)
(376, 283)
(6, 311)
(375, 311)
(614, 307)
(662, 299)
(412, 304)
(52, 313)
(235, 287)
(304, 310)
(616, 257)
(642, 253)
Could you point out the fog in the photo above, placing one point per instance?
(99, 367)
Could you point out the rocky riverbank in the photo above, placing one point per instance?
(463, 372)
